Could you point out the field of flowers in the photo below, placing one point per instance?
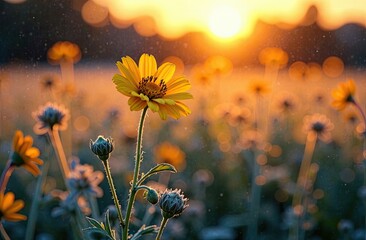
(99, 151)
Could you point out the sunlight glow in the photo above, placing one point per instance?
(229, 18)
(225, 21)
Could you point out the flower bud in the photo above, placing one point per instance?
(152, 196)
(172, 203)
(102, 147)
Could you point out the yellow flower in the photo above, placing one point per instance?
(64, 51)
(344, 94)
(172, 154)
(152, 87)
(9, 208)
(259, 87)
(24, 155)
(273, 57)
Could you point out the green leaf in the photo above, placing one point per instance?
(95, 223)
(161, 167)
(100, 227)
(93, 230)
(107, 223)
(144, 231)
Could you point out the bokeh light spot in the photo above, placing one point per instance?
(333, 66)
(94, 14)
(81, 123)
(347, 175)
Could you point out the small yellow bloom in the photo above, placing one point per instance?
(24, 155)
(273, 57)
(9, 208)
(64, 51)
(259, 87)
(344, 94)
(152, 87)
(172, 154)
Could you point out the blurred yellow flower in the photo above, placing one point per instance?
(9, 208)
(305, 71)
(152, 87)
(218, 65)
(259, 86)
(64, 51)
(201, 74)
(273, 57)
(24, 155)
(319, 125)
(344, 94)
(172, 154)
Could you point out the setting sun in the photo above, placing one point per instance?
(225, 21)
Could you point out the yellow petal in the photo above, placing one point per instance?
(172, 111)
(136, 104)
(179, 96)
(32, 152)
(131, 65)
(18, 204)
(17, 140)
(28, 141)
(32, 168)
(14, 217)
(180, 84)
(124, 85)
(147, 65)
(7, 201)
(165, 72)
(183, 108)
(126, 73)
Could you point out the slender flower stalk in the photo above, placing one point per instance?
(35, 203)
(136, 173)
(343, 95)
(317, 127)
(301, 184)
(254, 198)
(8, 170)
(113, 191)
(102, 147)
(163, 223)
(61, 157)
(3, 232)
(259, 89)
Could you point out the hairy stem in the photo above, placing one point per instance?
(161, 229)
(113, 191)
(136, 173)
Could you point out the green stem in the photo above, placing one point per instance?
(113, 191)
(3, 232)
(35, 203)
(77, 228)
(136, 173)
(161, 229)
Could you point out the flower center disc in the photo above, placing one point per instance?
(151, 89)
(150, 86)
